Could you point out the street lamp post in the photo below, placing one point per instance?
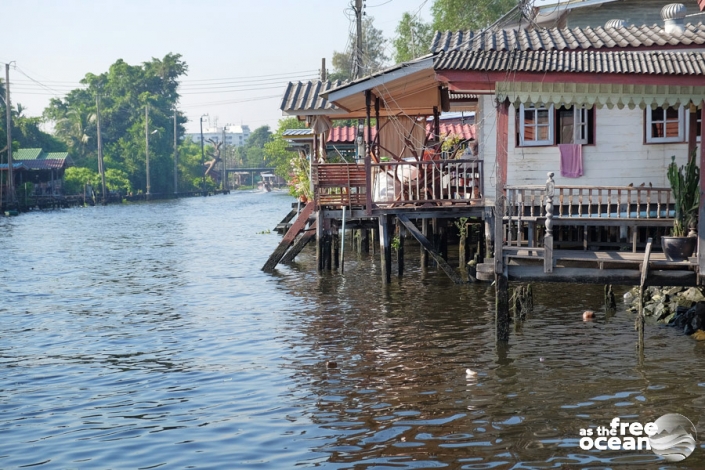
(203, 159)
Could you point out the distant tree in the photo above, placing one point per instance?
(373, 52)
(125, 90)
(413, 38)
(251, 155)
(75, 178)
(455, 15)
(277, 152)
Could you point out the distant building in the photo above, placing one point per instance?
(234, 135)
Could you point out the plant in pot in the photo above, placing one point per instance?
(685, 186)
(299, 181)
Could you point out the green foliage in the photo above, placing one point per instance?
(685, 185)
(396, 243)
(455, 15)
(413, 38)
(373, 52)
(125, 90)
(75, 179)
(462, 225)
(299, 181)
(252, 154)
(276, 150)
(117, 180)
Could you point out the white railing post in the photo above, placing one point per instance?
(548, 239)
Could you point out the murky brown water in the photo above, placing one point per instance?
(145, 336)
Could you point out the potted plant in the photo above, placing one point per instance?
(299, 181)
(685, 186)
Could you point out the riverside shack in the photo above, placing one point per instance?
(575, 128)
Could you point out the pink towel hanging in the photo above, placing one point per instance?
(571, 160)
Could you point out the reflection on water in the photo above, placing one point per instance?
(145, 336)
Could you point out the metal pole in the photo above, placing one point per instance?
(342, 244)
(8, 108)
(176, 158)
(101, 164)
(203, 162)
(146, 136)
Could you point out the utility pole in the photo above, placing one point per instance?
(356, 68)
(323, 69)
(8, 108)
(203, 161)
(357, 55)
(146, 148)
(222, 162)
(101, 167)
(176, 157)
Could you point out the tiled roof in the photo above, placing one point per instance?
(465, 131)
(27, 154)
(48, 164)
(38, 154)
(561, 39)
(303, 97)
(653, 62)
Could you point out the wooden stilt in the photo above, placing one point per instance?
(342, 244)
(424, 252)
(288, 239)
(501, 281)
(299, 244)
(502, 307)
(335, 244)
(385, 249)
(400, 249)
(448, 269)
(365, 240)
(327, 249)
(642, 284)
(319, 240)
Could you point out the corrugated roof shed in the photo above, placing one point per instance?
(653, 62)
(304, 98)
(562, 39)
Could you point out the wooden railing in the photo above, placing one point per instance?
(438, 182)
(339, 184)
(604, 202)
(551, 205)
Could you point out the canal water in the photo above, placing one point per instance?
(146, 336)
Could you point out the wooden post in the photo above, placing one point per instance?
(385, 249)
(335, 242)
(400, 249)
(365, 240)
(548, 239)
(319, 239)
(288, 239)
(644, 276)
(701, 211)
(462, 258)
(414, 231)
(424, 253)
(501, 281)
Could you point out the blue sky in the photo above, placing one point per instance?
(252, 43)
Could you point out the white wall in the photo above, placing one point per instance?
(618, 158)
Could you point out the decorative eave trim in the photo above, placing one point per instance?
(599, 95)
